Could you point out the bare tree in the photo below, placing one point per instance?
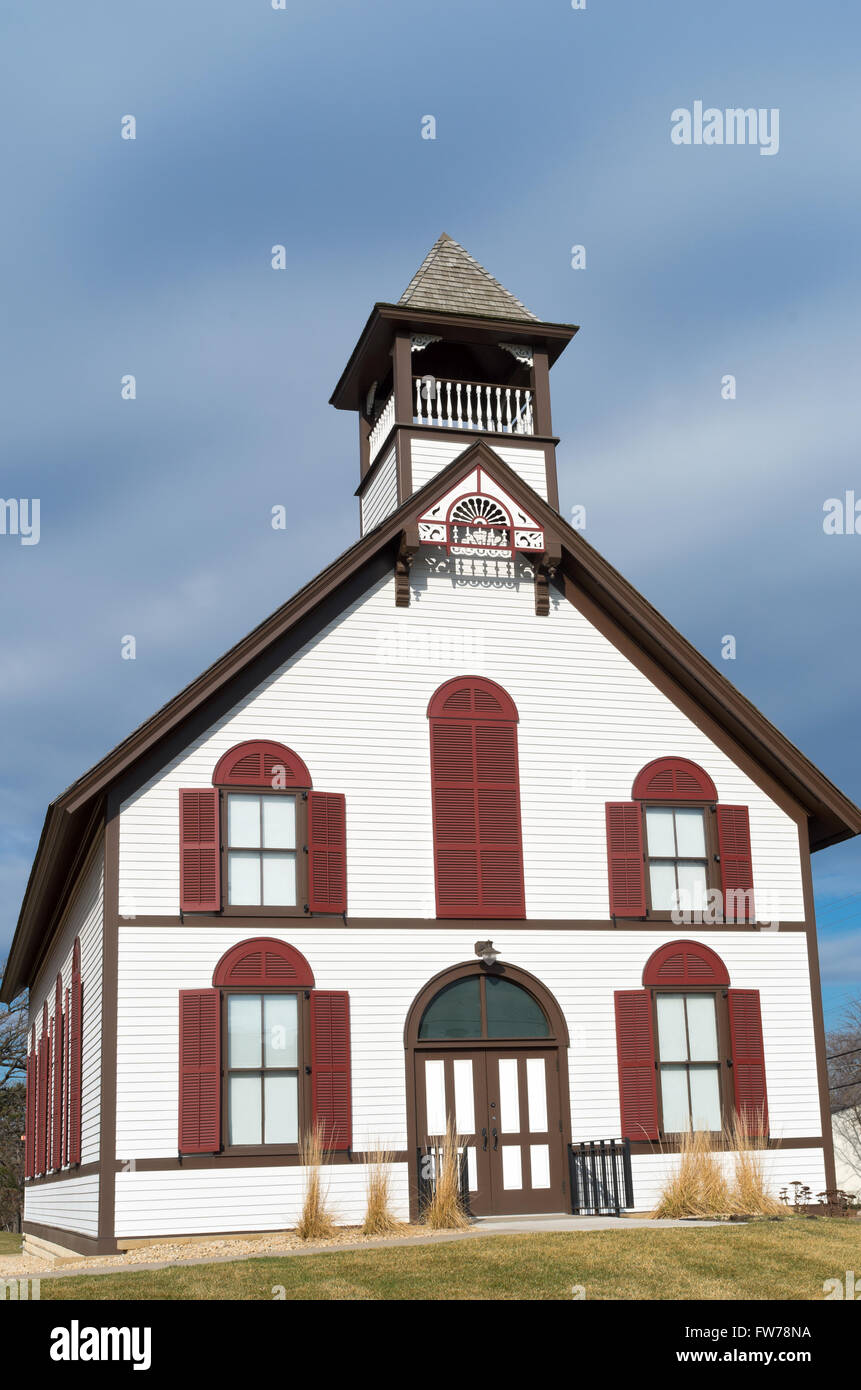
(13, 1038)
(844, 1079)
(13, 1066)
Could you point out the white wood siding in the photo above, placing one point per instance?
(384, 969)
(353, 704)
(429, 455)
(84, 919)
(240, 1199)
(380, 498)
(72, 1204)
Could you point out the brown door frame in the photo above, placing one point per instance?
(555, 1045)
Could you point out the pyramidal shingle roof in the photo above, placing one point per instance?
(451, 281)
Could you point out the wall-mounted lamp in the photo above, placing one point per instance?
(486, 953)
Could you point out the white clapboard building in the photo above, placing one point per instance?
(465, 829)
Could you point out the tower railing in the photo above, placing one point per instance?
(472, 405)
(381, 428)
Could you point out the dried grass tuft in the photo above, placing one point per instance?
(697, 1186)
(379, 1217)
(316, 1221)
(444, 1211)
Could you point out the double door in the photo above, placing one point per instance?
(505, 1105)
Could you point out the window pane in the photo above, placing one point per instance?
(279, 880)
(280, 1031)
(672, 1042)
(702, 1027)
(705, 1098)
(282, 1109)
(692, 886)
(674, 1094)
(691, 834)
(454, 1013)
(659, 832)
(662, 878)
(279, 822)
(243, 821)
(244, 1096)
(243, 878)
(511, 1012)
(243, 1030)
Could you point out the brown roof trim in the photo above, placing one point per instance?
(833, 817)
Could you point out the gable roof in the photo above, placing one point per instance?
(450, 280)
(72, 818)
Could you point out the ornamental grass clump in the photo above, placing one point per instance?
(316, 1221)
(444, 1210)
(748, 1140)
(380, 1220)
(697, 1185)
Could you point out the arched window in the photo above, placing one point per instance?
(241, 840)
(476, 800)
(264, 1055)
(483, 1006)
(674, 848)
(690, 1048)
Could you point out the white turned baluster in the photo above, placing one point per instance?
(449, 421)
(419, 400)
(529, 428)
(459, 416)
(469, 404)
(508, 408)
(478, 423)
(519, 424)
(499, 409)
(439, 418)
(488, 400)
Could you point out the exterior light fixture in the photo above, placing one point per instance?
(486, 953)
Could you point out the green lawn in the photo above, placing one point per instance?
(9, 1244)
(764, 1260)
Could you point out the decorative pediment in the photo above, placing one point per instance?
(476, 517)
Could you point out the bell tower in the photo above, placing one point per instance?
(456, 360)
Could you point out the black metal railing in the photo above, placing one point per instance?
(428, 1158)
(601, 1181)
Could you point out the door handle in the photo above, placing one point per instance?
(495, 1140)
(484, 1138)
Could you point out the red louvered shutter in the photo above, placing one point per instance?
(41, 1105)
(75, 1057)
(736, 863)
(476, 808)
(67, 1069)
(330, 1067)
(199, 850)
(57, 1150)
(30, 1113)
(625, 866)
(635, 1044)
(327, 852)
(748, 1058)
(199, 1071)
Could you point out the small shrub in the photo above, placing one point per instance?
(316, 1222)
(444, 1211)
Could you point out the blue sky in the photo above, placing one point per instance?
(302, 127)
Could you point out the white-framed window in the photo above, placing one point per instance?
(261, 850)
(677, 857)
(689, 1062)
(262, 1069)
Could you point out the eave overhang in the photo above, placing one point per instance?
(370, 358)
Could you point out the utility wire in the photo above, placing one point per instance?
(832, 1057)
